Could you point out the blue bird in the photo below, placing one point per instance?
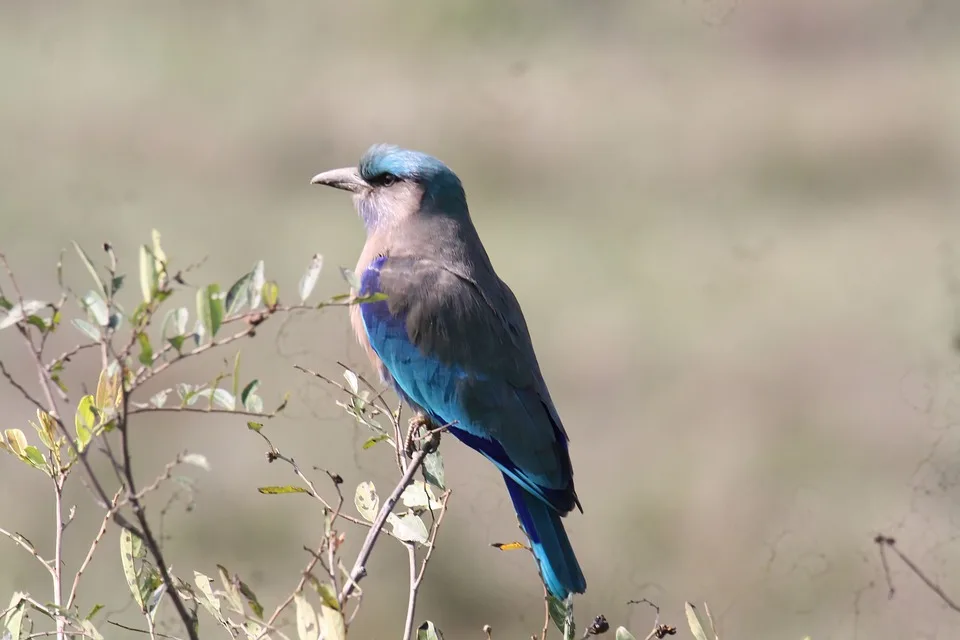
(451, 339)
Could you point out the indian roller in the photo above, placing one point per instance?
(451, 339)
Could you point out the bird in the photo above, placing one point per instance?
(450, 337)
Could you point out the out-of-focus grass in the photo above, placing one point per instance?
(735, 246)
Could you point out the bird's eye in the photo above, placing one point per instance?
(388, 179)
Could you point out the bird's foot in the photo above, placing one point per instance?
(422, 430)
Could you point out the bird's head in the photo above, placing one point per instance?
(391, 184)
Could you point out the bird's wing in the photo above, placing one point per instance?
(463, 354)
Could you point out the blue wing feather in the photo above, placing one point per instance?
(434, 387)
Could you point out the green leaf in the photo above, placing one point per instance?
(207, 599)
(254, 403)
(38, 322)
(254, 630)
(255, 426)
(132, 553)
(16, 442)
(159, 256)
(96, 308)
(46, 429)
(562, 616)
(308, 626)
(90, 630)
(96, 609)
(156, 589)
(418, 495)
(271, 294)
(197, 460)
(327, 595)
(13, 620)
(148, 274)
(117, 283)
(221, 398)
(694, 621)
(88, 329)
(85, 421)
(239, 294)
(210, 309)
(251, 597)
(35, 458)
(5, 304)
(374, 440)
(277, 490)
(230, 587)
(433, 470)
(251, 388)
(353, 382)
(373, 297)
(428, 631)
(180, 317)
(332, 622)
(257, 280)
(159, 398)
(367, 501)
(235, 378)
(18, 312)
(91, 268)
(146, 351)
(623, 634)
(309, 279)
(408, 527)
(175, 326)
(351, 279)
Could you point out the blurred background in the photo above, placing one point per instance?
(734, 235)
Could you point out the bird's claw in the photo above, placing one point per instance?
(421, 429)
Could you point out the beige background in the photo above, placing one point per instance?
(736, 246)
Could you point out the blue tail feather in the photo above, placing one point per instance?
(558, 565)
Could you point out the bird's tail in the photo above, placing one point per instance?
(558, 565)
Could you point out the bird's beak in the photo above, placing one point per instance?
(347, 179)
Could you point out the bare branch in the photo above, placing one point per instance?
(93, 547)
(235, 412)
(28, 547)
(69, 353)
(19, 387)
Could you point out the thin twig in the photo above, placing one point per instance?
(143, 631)
(28, 547)
(887, 542)
(434, 531)
(414, 589)
(58, 554)
(234, 412)
(145, 372)
(19, 387)
(93, 547)
(546, 613)
(275, 454)
(69, 353)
